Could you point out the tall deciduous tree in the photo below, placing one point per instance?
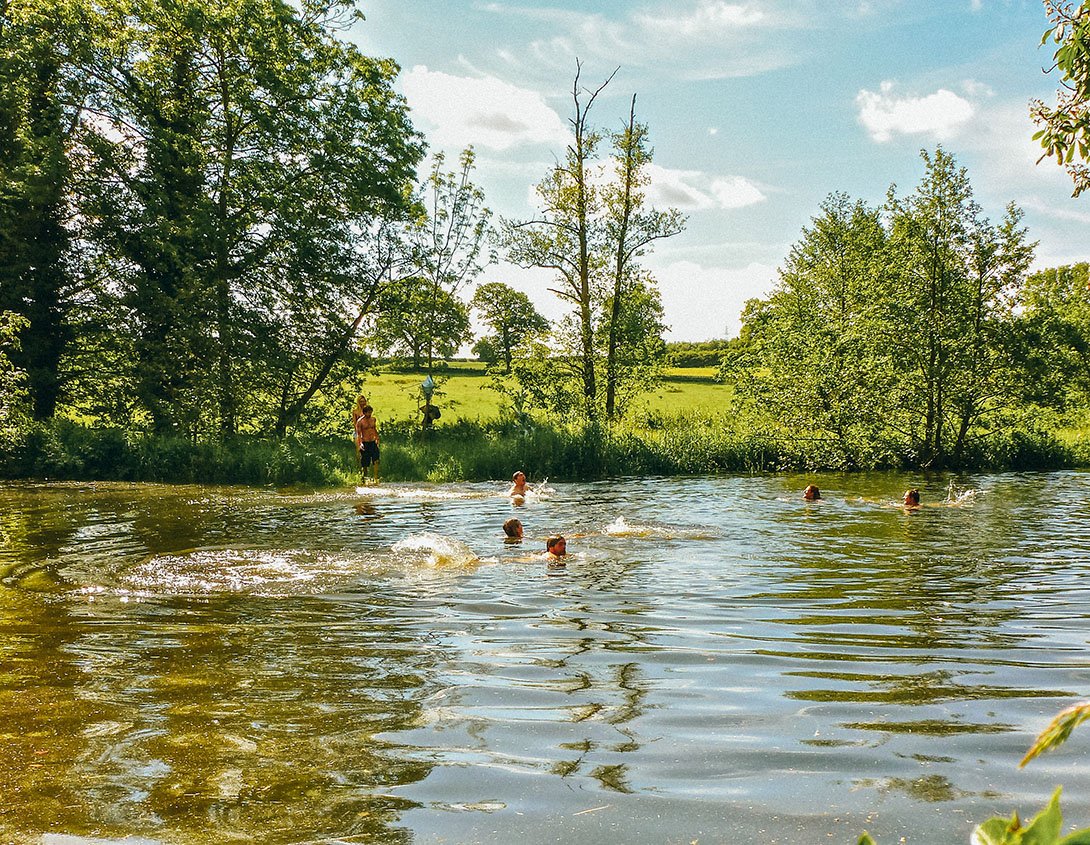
(897, 327)
(630, 228)
(42, 43)
(1065, 132)
(261, 148)
(590, 230)
(956, 279)
(448, 242)
(510, 315)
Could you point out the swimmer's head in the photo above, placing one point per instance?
(557, 546)
(912, 497)
(811, 493)
(366, 410)
(513, 529)
(519, 477)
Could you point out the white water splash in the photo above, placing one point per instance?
(437, 551)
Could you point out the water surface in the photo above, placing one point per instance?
(718, 661)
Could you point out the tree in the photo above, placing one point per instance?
(630, 228)
(590, 231)
(565, 238)
(446, 240)
(41, 93)
(955, 282)
(813, 352)
(510, 315)
(417, 322)
(262, 151)
(1066, 127)
(896, 327)
(1055, 351)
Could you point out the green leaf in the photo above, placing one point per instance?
(998, 831)
(1079, 837)
(866, 839)
(1045, 827)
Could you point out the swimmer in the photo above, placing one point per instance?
(519, 487)
(556, 549)
(513, 531)
(912, 498)
(811, 493)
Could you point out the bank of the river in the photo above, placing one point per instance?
(473, 451)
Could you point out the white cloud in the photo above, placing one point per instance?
(973, 88)
(692, 190)
(691, 39)
(884, 114)
(708, 20)
(486, 112)
(703, 302)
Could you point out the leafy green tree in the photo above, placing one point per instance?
(416, 322)
(956, 280)
(510, 315)
(630, 228)
(814, 352)
(261, 149)
(896, 328)
(1055, 352)
(1065, 132)
(590, 231)
(447, 242)
(41, 93)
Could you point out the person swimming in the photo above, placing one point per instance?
(811, 493)
(912, 498)
(556, 549)
(512, 530)
(519, 487)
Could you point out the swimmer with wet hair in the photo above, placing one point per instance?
(519, 487)
(556, 549)
(513, 531)
(811, 493)
(912, 498)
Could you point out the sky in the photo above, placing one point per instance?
(757, 111)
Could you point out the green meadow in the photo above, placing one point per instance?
(465, 392)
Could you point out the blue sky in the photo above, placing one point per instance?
(757, 112)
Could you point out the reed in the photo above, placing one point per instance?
(472, 451)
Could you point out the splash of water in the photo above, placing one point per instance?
(437, 551)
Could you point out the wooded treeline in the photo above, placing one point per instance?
(210, 215)
(911, 332)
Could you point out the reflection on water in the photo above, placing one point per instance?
(717, 661)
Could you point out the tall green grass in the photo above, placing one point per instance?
(466, 451)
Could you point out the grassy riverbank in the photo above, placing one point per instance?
(689, 444)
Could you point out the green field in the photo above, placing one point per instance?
(465, 393)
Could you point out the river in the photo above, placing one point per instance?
(718, 661)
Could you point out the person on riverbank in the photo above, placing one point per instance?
(367, 434)
(519, 487)
(512, 530)
(357, 412)
(912, 498)
(811, 493)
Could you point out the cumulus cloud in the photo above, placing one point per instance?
(884, 114)
(486, 112)
(692, 190)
